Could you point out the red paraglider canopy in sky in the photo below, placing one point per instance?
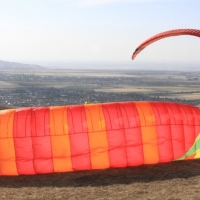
(176, 32)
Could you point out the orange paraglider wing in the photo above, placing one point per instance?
(176, 32)
(96, 136)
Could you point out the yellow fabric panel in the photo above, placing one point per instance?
(7, 148)
(197, 154)
(149, 133)
(60, 141)
(97, 136)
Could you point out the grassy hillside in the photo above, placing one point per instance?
(175, 180)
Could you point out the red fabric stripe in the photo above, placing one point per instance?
(23, 142)
(196, 115)
(132, 132)
(178, 139)
(79, 141)
(163, 131)
(128, 136)
(115, 134)
(41, 141)
(188, 126)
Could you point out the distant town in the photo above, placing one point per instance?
(30, 90)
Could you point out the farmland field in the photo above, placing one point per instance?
(163, 84)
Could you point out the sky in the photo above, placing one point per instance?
(63, 33)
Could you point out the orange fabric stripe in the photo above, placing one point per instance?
(97, 136)
(7, 148)
(60, 142)
(149, 133)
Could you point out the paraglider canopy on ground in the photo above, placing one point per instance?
(96, 136)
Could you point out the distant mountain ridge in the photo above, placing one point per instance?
(17, 66)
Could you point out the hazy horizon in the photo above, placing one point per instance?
(121, 65)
